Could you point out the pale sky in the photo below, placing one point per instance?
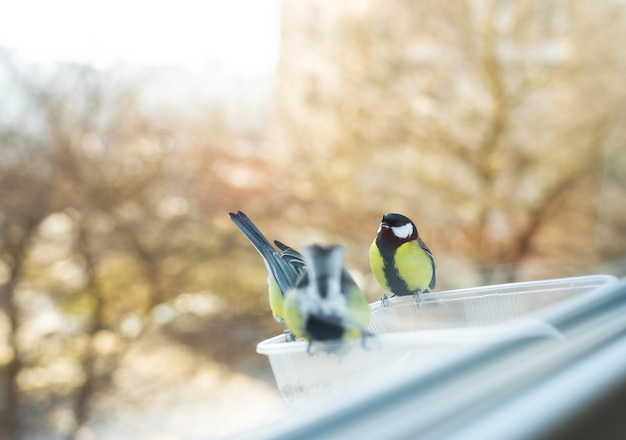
(242, 36)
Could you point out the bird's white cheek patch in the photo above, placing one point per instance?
(403, 231)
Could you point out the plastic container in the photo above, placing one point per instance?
(412, 335)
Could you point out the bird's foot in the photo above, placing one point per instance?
(289, 337)
(384, 301)
(364, 335)
(416, 297)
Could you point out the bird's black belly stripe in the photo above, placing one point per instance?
(396, 284)
(322, 330)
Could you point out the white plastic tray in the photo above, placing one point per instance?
(415, 336)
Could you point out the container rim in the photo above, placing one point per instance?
(454, 336)
(522, 287)
(521, 328)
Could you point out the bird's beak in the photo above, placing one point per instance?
(384, 225)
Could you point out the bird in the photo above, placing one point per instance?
(401, 262)
(326, 304)
(284, 268)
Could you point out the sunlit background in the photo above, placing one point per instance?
(131, 306)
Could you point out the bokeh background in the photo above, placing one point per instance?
(130, 305)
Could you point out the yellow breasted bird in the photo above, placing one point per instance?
(283, 268)
(326, 304)
(400, 260)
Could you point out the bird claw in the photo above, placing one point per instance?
(364, 336)
(384, 301)
(416, 297)
(289, 337)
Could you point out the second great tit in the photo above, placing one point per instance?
(400, 260)
(326, 304)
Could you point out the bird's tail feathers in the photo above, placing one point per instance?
(284, 273)
(294, 257)
(249, 229)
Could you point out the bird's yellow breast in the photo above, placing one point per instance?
(359, 312)
(377, 264)
(276, 299)
(414, 265)
(293, 318)
(410, 261)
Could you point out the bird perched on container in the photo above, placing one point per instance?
(326, 304)
(283, 268)
(400, 260)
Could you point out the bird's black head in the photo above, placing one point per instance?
(396, 229)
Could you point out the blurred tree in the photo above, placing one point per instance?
(24, 203)
(486, 122)
(108, 211)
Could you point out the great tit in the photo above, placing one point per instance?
(400, 260)
(283, 268)
(326, 304)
